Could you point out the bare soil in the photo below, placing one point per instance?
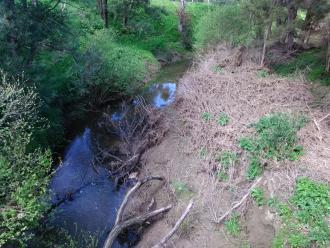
(245, 97)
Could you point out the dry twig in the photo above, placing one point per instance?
(219, 220)
(176, 226)
(120, 225)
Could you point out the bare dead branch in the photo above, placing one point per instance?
(219, 220)
(176, 226)
(130, 193)
(133, 221)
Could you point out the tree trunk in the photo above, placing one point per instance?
(292, 14)
(327, 67)
(34, 3)
(267, 31)
(328, 58)
(182, 16)
(10, 16)
(105, 14)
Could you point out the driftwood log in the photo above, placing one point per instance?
(176, 226)
(121, 225)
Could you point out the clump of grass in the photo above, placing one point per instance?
(276, 139)
(222, 176)
(254, 170)
(206, 116)
(263, 73)
(226, 159)
(202, 153)
(232, 225)
(223, 119)
(258, 195)
(217, 69)
(305, 218)
(181, 189)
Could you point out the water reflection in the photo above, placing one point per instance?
(93, 199)
(163, 94)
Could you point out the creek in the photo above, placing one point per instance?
(91, 197)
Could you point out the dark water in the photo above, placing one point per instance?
(91, 197)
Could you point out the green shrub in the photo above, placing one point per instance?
(223, 119)
(310, 62)
(224, 24)
(222, 176)
(276, 138)
(24, 173)
(232, 225)
(263, 73)
(254, 170)
(305, 218)
(110, 68)
(206, 116)
(258, 195)
(226, 159)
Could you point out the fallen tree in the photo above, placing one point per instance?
(121, 224)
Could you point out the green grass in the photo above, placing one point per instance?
(311, 62)
(305, 216)
(223, 119)
(206, 116)
(232, 225)
(275, 138)
(164, 36)
(226, 159)
(258, 195)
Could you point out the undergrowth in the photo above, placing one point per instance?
(226, 160)
(305, 217)
(276, 139)
(258, 195)
(311, 62)
(232, 225)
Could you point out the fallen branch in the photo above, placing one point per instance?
(120, 225)
(176, 226)
(133, 221)
(219, 220)
(130, 193)
(323, 118)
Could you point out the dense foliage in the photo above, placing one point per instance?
(224, 24)
(276, 139)
(305, 216)
(24, 172)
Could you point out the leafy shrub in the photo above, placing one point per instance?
(110, 68)
(305, 218)
(311, 62)
(254, 170)
(24, 173)
(258, 195)
(232, 225)
(276, 138)
(224, 24)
